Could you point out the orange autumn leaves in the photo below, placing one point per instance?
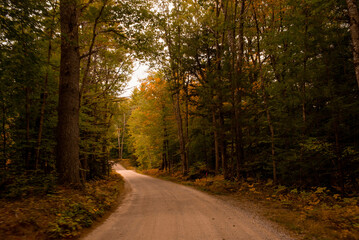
(152, 114)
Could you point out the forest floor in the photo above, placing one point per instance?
(315, 214)
(62, 214)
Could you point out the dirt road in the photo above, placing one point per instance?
(160, 210)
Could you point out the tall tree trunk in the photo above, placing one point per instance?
(123, 135)
(216, 140)
(175, 62)
(271, 129)
(27, 150)
(265, 100)
(164, 160)
(238, 138)
(44, 97)
(169, 159)
(340, 168)
(164, 151)
(119, 141)
(303, 93)
(222, 131)
(27, 116)
(180, 132)
(187, 126)
(4, 131)
(237, 146)
(237, 93)
(222, 143)
(304, 80)
(219, 131)
(68, 163)
(205, 150)
(354, 32)
(165, 141)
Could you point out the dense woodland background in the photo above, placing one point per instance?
(249, 89)
(109, 39)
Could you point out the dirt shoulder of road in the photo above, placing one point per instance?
(62, 214)
(315, 214)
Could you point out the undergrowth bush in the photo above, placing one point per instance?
(18, 185)
(70, 221)
(81, 211)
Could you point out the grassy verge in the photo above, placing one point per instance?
(315, 214)
(63, 214)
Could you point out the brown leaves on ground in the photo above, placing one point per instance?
(62, 214)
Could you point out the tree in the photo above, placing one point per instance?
(68, 163)
(259, 89)
(152, 124)
(354, 32)
(267, 81)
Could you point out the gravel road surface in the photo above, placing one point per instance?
(160, 210)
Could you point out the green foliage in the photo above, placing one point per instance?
(69, 223)
(24, 52)
(151, 124)
(29, 74)
(26, 184)
(283, 109)
(82, 210)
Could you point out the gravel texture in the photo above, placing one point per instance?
(160, 210)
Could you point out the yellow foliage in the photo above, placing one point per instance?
(256, 86)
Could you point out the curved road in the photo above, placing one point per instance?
(161, 210)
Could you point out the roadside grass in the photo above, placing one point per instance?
(315, 214)
(62, 214)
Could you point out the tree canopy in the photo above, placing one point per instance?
(244, 88)
(259, 89)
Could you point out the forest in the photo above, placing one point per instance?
(246, 89)
(263, 90)
(63, 68)
(260, 91)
